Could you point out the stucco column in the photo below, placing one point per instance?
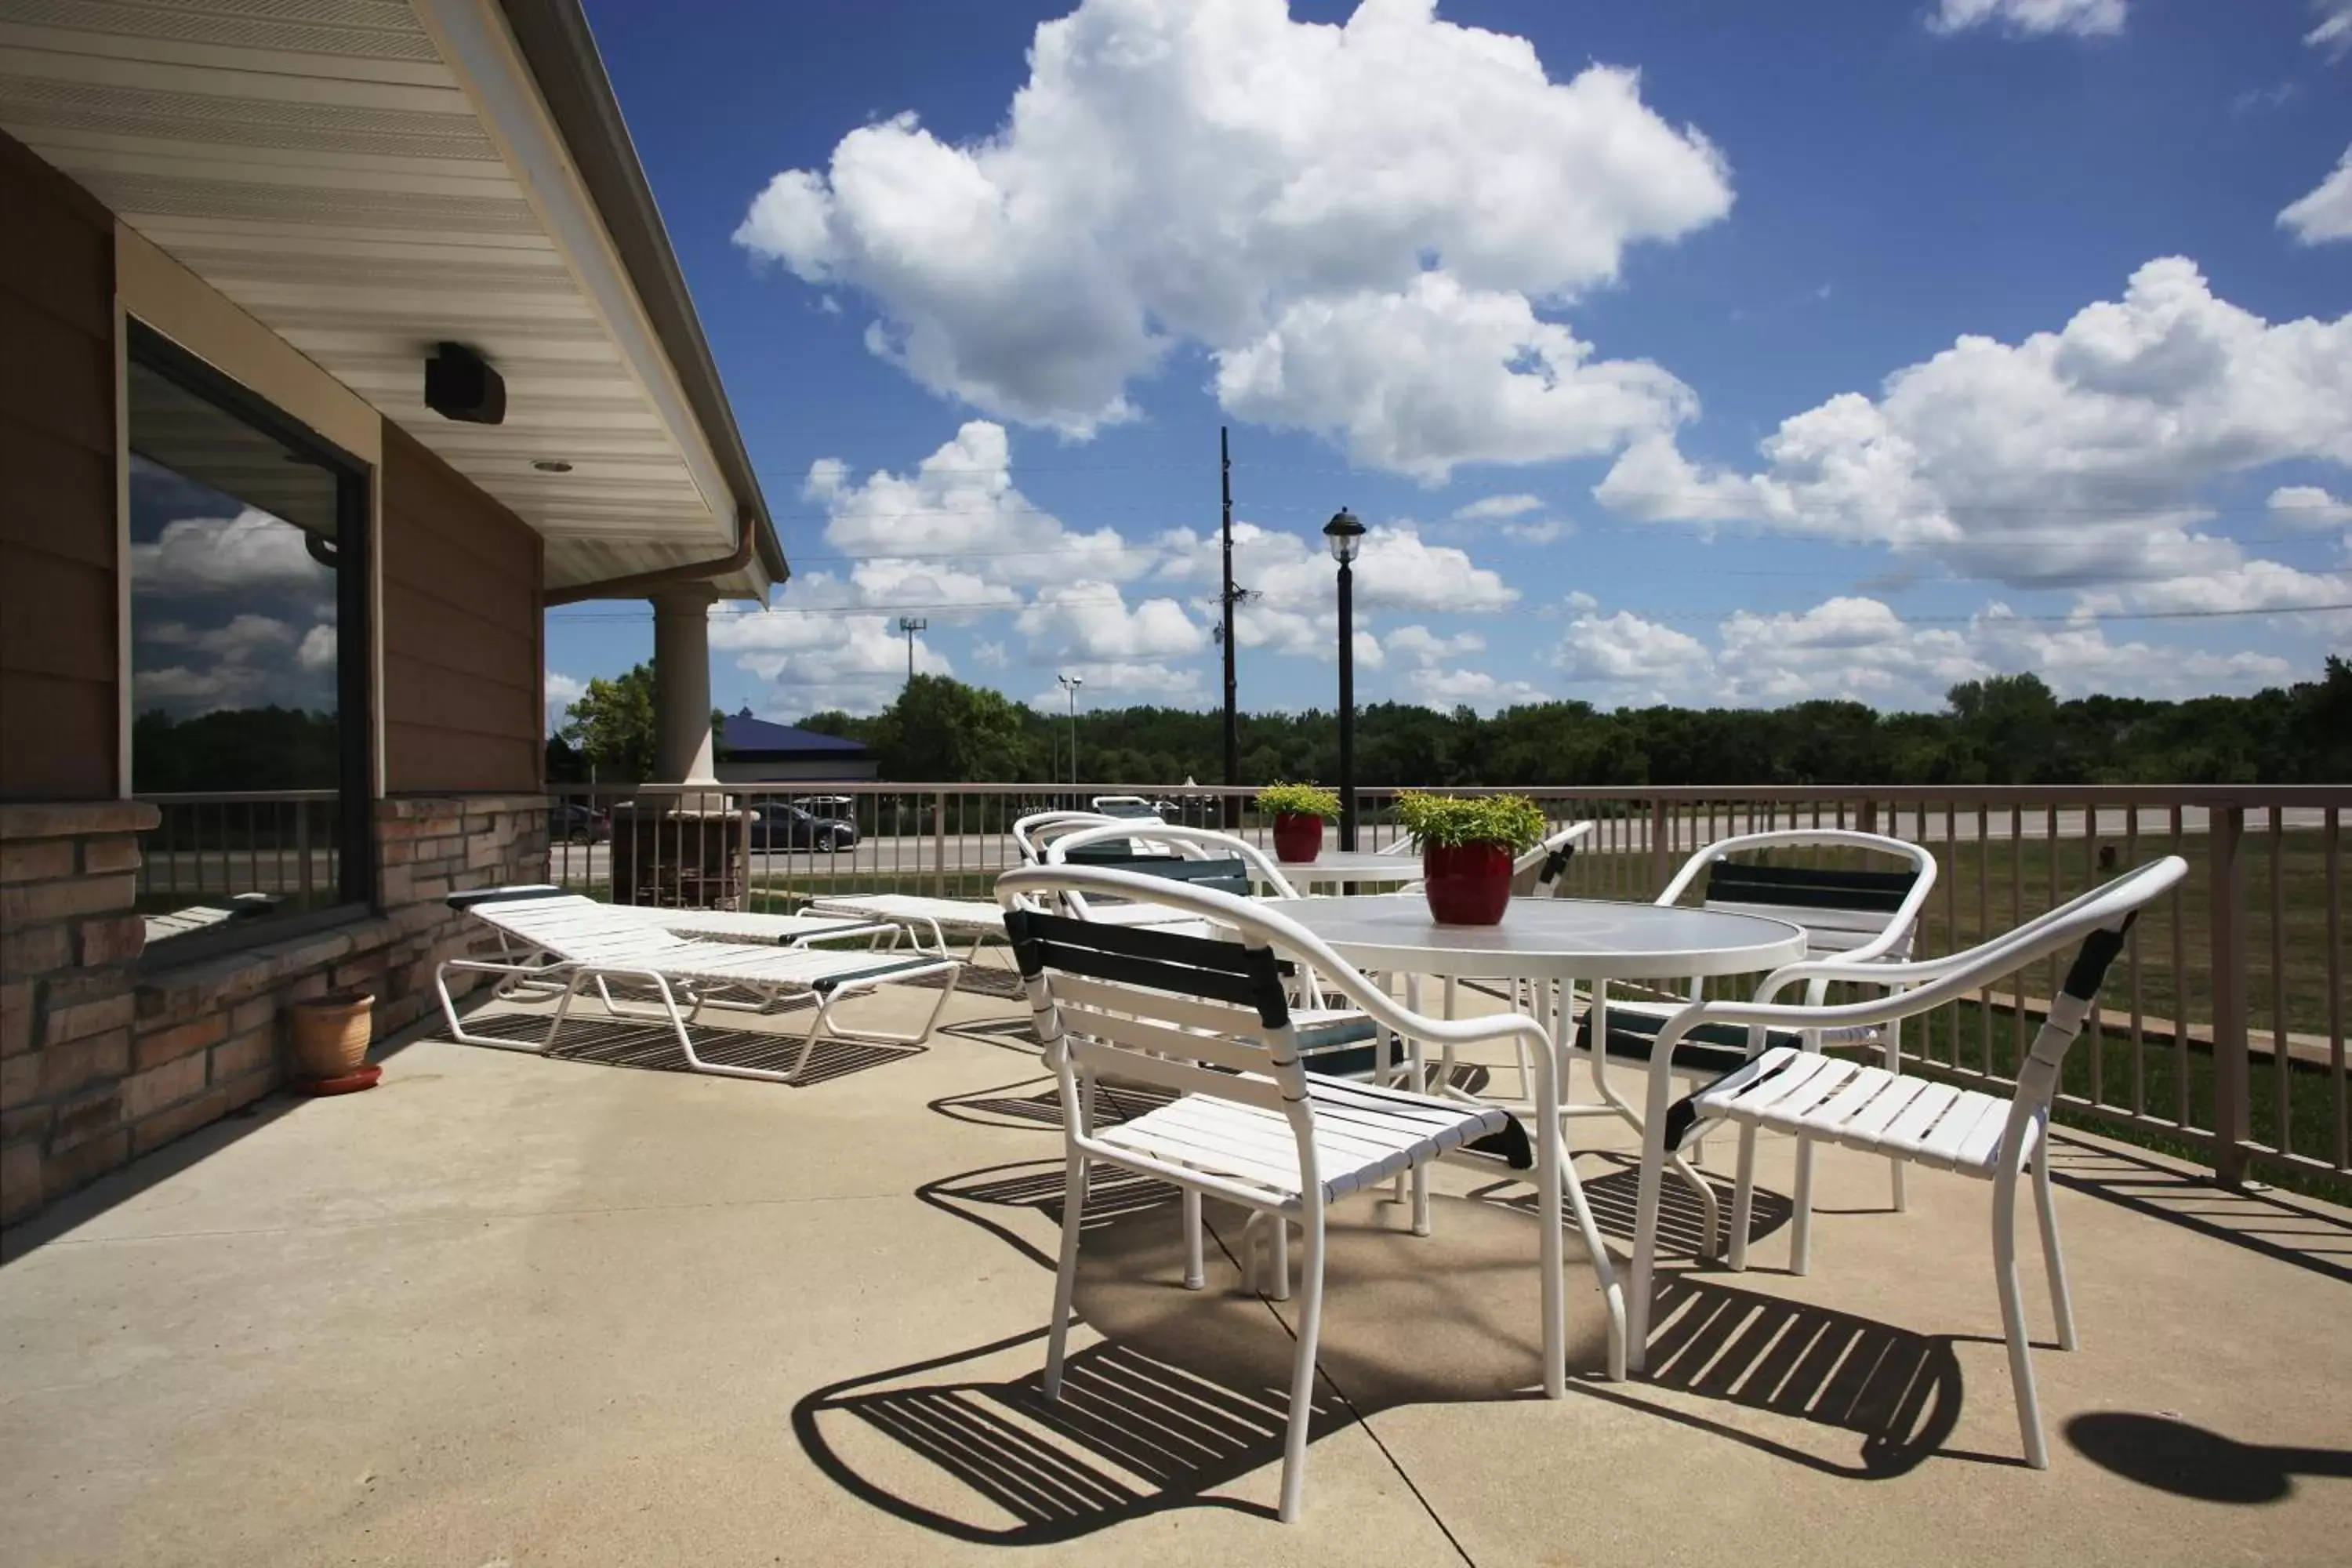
(682, 684)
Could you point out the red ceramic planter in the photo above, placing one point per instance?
(1298, 838)
(1467, 884)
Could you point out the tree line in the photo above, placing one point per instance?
(2004, 730)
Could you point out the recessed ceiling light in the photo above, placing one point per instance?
(552, 466)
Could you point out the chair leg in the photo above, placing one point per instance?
(2012, 1319)
(2062, 1301)
(1743, 1199)
(1302, 1370)
(1066, 1270)
(1194, 1276)
(1277, 1257)
(1894, 1064)
(1710, 1211)
(1801, 1203)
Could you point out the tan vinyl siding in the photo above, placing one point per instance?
(461, 632)
(60, 662)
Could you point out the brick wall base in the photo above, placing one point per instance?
(104, 1056)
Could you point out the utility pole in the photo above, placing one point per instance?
(1070, 683)
(910, 625)
(1226, 636)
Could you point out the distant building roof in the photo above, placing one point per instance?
(742, 736)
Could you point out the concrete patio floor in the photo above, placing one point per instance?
(509, 1311)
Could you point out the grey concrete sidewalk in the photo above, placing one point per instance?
(510, 1311)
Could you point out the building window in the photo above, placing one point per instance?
(249, 667)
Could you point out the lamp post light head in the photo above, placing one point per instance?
(1344, 534)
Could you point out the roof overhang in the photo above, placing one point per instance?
(368, 182)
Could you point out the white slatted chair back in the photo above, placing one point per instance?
(1861, 914)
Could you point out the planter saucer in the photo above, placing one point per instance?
(343, 1083)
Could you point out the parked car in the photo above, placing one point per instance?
(569, 822)
(832, 807)
(1133, 805)
(776, 826)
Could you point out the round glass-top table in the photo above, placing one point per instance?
(1548, 940)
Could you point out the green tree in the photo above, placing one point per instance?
(942, 732)
(2008, 725)
(612, 725)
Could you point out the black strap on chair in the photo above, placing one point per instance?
(2089, 970)
(1171, 962)
(1555, 865)
(1808, 887)
(1226, 876)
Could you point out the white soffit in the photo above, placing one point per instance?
(367, 178)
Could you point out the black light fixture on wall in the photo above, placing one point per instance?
(460, 384)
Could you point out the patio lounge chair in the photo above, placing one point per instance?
(1209, 1020)
(1797, 1090)
(569, 942)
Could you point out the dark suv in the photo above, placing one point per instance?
(775, 826)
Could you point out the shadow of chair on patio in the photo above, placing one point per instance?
(2172, 1456)
(1182, 1392)
(621, 1042)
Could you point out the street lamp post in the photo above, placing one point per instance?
(1346, 535)
(1070, 683)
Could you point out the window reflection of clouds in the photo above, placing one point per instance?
(232, 609)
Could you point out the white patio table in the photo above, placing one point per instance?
(1365, 868)
(1552, 943)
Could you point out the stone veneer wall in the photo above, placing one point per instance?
(104, 1056)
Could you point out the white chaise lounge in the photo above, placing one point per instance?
(564, 942)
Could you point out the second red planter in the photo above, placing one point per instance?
(1467, 884)
(1298, 838)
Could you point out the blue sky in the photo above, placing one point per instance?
(1696, 351)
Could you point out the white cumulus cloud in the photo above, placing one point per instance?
(1421, 380)
(1858, 650)
(2030, 18)
(2308, 506)
(2325, 212)
(2078, 457)
(1491, 509)
(1213, 172)
(2334, 31)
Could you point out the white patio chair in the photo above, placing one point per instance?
(1797, 1090)
(1863, 917)
(570, 941)
(1209, 1020)
(1031, 833)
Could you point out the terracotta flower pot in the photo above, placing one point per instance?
(1298, 838)
(1467, 884)
(330, 1036)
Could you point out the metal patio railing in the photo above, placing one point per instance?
(2221, 1033)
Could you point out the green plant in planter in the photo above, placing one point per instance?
(1444, 821)
(1298, 800)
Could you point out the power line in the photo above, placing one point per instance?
(976, 606)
